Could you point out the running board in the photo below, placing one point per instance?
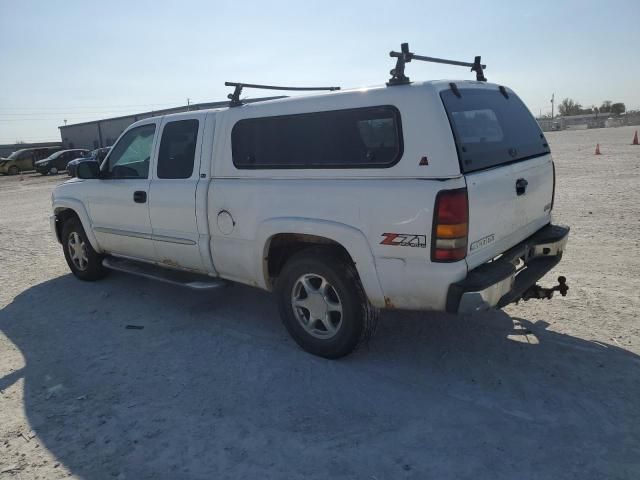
(195, 281)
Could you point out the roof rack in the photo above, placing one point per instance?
(405, 56)
(235, 96)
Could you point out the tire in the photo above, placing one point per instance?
(13, 170)
(320, 283)
(84, 262)
(53, 171)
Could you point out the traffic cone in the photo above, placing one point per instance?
(598, 149)
(635, 139)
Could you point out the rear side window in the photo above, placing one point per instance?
(491, 129)
(368, 137)
(178, 149)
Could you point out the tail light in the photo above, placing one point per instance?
(450, 226)
(553, 194)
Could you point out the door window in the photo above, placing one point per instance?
(131, 156)
(177, 149)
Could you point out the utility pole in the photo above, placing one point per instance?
(188, 103)
(553, 95)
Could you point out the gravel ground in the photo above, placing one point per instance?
(213, 387)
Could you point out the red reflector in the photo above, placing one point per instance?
(442, 255)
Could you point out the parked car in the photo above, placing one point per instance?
(96, 155)
(24, 159)
(58, 161)
(433, 196)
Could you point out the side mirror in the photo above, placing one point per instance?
(88, 170)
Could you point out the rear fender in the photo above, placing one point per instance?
(352, 239)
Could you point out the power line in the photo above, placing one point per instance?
(111, 106)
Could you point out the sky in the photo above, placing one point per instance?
(85, 60)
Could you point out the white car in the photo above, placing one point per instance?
(420, 196)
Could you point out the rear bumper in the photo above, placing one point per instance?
(503, 281)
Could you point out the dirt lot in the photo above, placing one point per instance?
(213, 387)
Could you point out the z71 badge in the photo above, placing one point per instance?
(404, 240)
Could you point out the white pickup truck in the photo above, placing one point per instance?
(420, 196)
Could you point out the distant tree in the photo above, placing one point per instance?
(20, 142)
(617, 108)
(606, 106)
(569, 107)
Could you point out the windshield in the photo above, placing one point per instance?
(15, 154)
(55, 155)
(491, 129)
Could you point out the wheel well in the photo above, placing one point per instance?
(61, 217)
(284, 245)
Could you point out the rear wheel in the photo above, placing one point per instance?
(322, 303)
(84, 262)
(13, 170)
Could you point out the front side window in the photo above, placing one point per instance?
(369, 137)
(131, 156)
(177, 149)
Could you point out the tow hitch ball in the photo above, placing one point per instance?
(536, 291)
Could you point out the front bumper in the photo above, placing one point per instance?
(504, 280)
(53, 221)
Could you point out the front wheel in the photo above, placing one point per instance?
(84, 262)
(13, 170)
(323, 305)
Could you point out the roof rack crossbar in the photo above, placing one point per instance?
(405, 56)
(235, 96)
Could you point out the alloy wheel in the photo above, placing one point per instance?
(317, 306)
(78, 251)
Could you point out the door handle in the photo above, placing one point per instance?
(140, 196)
(521, 186)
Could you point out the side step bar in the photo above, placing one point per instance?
(175, 277)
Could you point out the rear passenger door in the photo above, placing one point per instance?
(172, 197)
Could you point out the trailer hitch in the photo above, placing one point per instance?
(536, 291)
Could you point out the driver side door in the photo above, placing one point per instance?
(119, 204)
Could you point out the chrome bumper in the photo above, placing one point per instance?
(502, 281)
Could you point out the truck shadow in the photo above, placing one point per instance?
(212, 387)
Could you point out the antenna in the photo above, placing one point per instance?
(235, 96)
(404, 56)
